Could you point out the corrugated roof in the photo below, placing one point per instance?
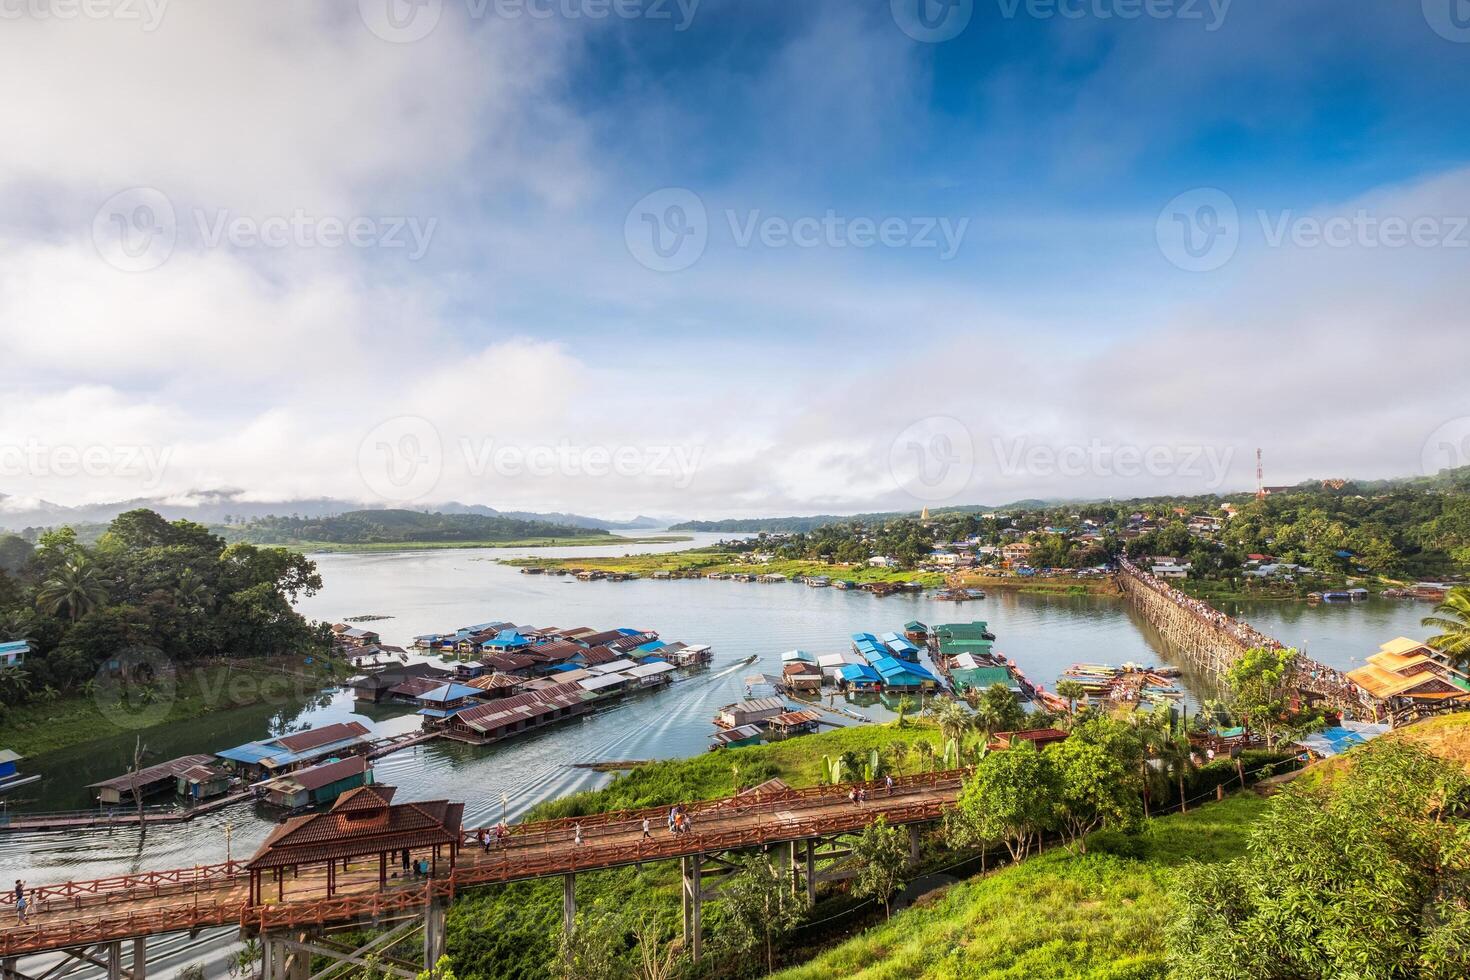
(361, 828)
(324, 775)
(153, 774)
(317, 737)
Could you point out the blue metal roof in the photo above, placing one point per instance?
(859, 672)
(891, 667)
(251, 753)
(15, 646)
(652, 645)
(860, 637)
(450, 692)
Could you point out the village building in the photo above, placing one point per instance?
(320, 784)
(146, 782)
(753, 711)
(273, 756)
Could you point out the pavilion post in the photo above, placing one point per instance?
(140, 959)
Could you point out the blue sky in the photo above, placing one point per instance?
(1031, 170)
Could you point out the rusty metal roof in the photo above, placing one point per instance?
(326, 735)
(363, 825)
(164, 770)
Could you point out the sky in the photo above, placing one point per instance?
(699, 258)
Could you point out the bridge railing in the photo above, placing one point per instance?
(122, 888)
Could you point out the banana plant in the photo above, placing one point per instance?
(952, 754)
(875, 765)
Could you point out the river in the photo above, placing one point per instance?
(434, 591)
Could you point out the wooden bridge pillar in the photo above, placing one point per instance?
(114, 961)
(569, 904)
(140, 959)
(914, 840)
(811, 872)
(433, 934)
(693, 898)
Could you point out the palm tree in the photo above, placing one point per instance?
(926, 754)
(74, 587)
(1178, 758)
(1453, 620)
(1073, 691)
(192, 593)
(951, 717)
(899, 752)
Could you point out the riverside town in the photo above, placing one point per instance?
(716, 491)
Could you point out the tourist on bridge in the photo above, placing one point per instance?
(888, 783)
(483, 839)
(20, 907)
(646, 834)
(577, 834)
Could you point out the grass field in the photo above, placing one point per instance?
(1057, 915)
(705, 561)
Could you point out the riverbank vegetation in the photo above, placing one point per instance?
(120, 618)
(724, 560)
(403, 529)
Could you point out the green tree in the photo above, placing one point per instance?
(884, 853)
(590, 951)
(1364, 875)
(1073, 691)
(1452, 619)
(1096, 789)
(999, 711)
(75, 588)
(953, 718)
(1011, 798)
(1260, 689)
(760, 907)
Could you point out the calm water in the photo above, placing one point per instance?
(441, 590)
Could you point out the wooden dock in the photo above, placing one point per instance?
(92, 819)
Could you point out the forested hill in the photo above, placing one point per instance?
(801, 525)
(397, 527)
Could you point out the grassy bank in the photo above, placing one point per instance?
(38, 727)
(1057, 915)
(600, 540)
(699, 562)
(1037, 585)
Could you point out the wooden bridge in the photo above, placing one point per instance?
(295, 916)
(1211, 642)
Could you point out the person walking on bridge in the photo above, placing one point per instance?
(20, 908)
(646, 834)
(577, 834)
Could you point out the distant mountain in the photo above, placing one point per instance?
(397, 527)
(227, 506)
(788, 525)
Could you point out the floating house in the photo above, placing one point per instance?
(494, 720)
(655, 673)
(916, 631)
(795, 655)
(868, 647)
(801, 676)
(506, 641)
(752, 711)
(736, 738)
(198, 783)
(273, 756)
(967, 673)
(352, 636)
(975, 638)
(791, 723)
(147, 782)
(318, 784)
(900, 675)
(694, 655)
(861, 679)
(374, 688)
(831, 664)
(447, 699)
(900, 647)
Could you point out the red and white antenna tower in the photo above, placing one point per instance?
(1260, 477)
